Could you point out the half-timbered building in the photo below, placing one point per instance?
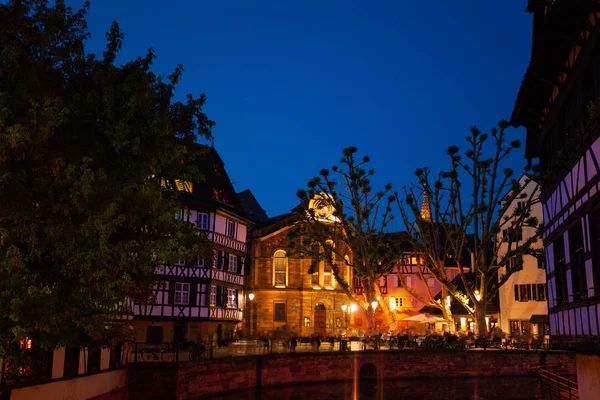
(523, 305)
(201, 298)
(558, 105)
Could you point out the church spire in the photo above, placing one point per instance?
(425, 207)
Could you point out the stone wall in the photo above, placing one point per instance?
(79, 388)
(172, 381)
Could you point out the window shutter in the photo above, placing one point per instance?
(226, 261)
(516, 292)
(239, 265)
(534, 292)
(223, 296)
(219, 259)
(219, 298)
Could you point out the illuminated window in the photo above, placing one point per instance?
(280, 263)
(327, 276)
(182, 293)
(399, 302)
(315, 279)
(232, 298)
(183, 186)
(25, 344)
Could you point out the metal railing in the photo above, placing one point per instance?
(209, 349)
(556, 387)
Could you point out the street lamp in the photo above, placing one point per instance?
(251, 296)
(374, 305)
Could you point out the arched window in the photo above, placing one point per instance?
(280, 269)
(328, 281)
(347, 274)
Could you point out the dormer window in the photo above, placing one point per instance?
(184, 186)
(217, 194)
(221, 196)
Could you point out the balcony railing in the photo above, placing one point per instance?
(228, 242)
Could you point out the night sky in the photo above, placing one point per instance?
(291, 83)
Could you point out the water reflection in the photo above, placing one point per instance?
(500, 388)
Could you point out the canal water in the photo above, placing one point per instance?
(499, 388)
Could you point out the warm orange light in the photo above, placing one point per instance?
(183, 186)
(25, 344)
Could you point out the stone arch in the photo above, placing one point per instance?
(367, 371)
(368, 381)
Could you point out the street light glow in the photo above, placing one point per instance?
(374, 305)
(344, 307)
(251, 296)
(353, 307)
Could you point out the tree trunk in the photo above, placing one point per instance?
(447, 311)
(370, 293)
(480, 319)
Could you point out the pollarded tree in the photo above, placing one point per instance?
(471, 228)
(340, 212)
(82, 222)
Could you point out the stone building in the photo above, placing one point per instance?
(286, 298)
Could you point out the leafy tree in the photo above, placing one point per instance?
(342, 222)
(82, 222)
(484, 212)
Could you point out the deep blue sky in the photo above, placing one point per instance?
(291, 83)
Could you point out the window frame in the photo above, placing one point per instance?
(201, 219)
(232, 261)
(281, 270)
(231, 298)
(212, 301)
(184, 294)
(281, 314)
(231, 224)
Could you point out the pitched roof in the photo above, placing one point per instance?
(215, 191)
(251, 206)
(273, 224)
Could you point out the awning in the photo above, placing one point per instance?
(425, 318)
(539, 319)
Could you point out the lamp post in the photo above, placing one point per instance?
(251, 297)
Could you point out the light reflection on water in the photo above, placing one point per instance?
(499, 388)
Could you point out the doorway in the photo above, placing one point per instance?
(320, 319)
